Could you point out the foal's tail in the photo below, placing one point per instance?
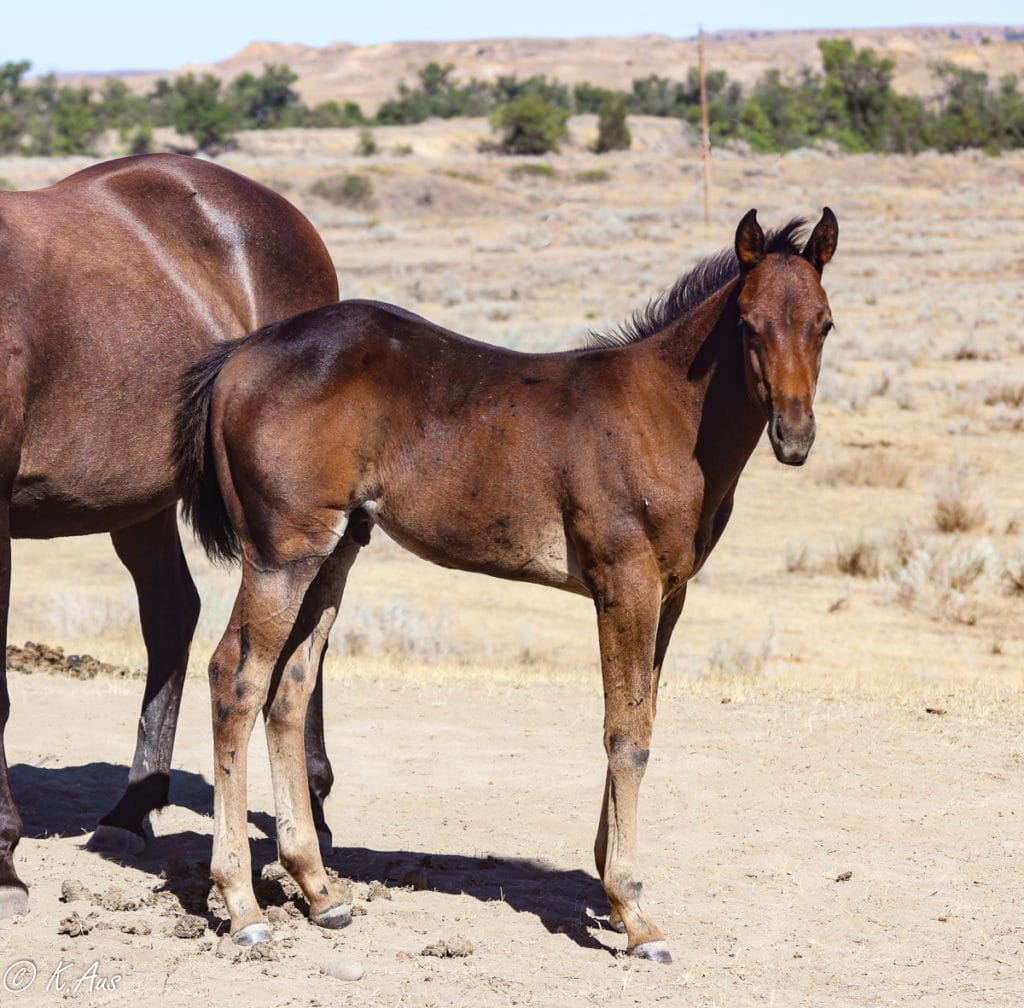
(202, 502)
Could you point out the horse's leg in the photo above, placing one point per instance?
(13, 892)
(318, 764)
(244, 665)
(301, 669)
(168, 610)
(627, 599)
(671, 608)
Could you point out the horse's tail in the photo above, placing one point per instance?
(202, 500)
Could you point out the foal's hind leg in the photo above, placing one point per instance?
(168, 609)
(286, 721)
(246, 666)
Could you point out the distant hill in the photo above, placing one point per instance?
(370, 74)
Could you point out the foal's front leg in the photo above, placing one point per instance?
(627, 620)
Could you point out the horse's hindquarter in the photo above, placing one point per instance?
(119, 278)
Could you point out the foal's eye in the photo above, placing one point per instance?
(827, 328)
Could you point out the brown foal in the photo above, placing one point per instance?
(607, 471)
(115, 280)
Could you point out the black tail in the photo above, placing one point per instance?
(202, 502)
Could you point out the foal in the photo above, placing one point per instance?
(608, 471)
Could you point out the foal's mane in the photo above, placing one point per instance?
(708, 276)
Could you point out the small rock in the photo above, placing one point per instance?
(378, 890)
(263, 952)
(139, 928)
(844, 876)
(226, 948)
(72, 889)
(189, 926)
(343, 969)
(277, 916)
(114, 899)
(74, 926)
(273, 872)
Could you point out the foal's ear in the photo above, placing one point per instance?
(749, 242)
(821, 246)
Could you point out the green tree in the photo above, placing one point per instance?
(267, 101)
(121, 109)
(197, 110)
(612, 131)
(15, 109)
(436, 96)
(968, 110)
(529, 125)
(332, 115)
(64, 120)
(589, 97)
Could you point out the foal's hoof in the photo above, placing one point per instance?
(335, 918)
(655, 951)
(252, 934)
(115, 840)
(13, 901)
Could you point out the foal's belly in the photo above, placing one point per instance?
(506, 547)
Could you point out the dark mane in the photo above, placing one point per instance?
(692, 288)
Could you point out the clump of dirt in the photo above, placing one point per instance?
(44, 658)
(74, 926)
(454, 948)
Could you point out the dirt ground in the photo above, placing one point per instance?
(832, 811)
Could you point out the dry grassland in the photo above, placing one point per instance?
(883, 580)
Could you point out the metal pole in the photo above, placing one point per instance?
(706, 128)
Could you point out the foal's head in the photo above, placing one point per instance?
(784, 318)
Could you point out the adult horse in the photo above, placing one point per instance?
(608, 471)
(114, 281)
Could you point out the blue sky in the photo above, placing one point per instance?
(133, 34)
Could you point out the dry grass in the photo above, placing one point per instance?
(956, 498)
(877, 467)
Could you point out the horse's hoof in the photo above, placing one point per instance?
(655, 951)
(335, 918)
(115, 840)
(252, 934)
(13, 901)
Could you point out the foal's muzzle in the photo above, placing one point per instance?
(791, 436)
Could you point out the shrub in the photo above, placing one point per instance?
(344, 190)
(612, 131)
(529, 125)
(957, 508)
(532, 168)
(367, 145)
